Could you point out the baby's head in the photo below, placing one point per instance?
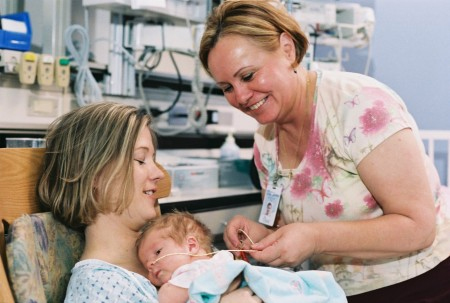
(178, 236)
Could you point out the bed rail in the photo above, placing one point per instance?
(430, 138)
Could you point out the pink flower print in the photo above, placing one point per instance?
(297, 286)
(375, 118)
(370, 201)
(257, 156)
(301, 183)
(314, 154)
(334, 209)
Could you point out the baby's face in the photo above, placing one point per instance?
(155, 254)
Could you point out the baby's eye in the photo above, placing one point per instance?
(248, 77)
(158, 252)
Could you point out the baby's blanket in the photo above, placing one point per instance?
(272, 285)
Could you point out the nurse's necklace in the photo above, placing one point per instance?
(299, 140)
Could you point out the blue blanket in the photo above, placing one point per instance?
(272, 285)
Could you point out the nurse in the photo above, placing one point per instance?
(342, 155)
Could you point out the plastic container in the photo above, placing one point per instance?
(16, 40)
(229, 149)
(25, 142)
(235, 173)
(193, 174)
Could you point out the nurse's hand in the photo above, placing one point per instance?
(289, 246)
(241, 295)
(235, 239)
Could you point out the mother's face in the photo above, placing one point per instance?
(146, 175)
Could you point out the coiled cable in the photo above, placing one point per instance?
(86, 88)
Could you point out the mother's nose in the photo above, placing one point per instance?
(156, 171)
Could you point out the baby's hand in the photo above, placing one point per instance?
(169, 293)
(234, 285)
(244, 294)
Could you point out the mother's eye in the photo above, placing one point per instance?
(141, 162)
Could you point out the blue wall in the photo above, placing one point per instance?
(411, 54)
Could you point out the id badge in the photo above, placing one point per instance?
(270, 204)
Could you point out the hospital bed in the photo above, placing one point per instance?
(437, 146)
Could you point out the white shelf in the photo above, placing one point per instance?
(172, 15)
(212, 193)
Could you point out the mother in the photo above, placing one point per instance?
(100, 176)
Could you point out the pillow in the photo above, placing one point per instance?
(41, 252)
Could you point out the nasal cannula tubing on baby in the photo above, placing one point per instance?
(211, 253)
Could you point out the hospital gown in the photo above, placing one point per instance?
(98, 281)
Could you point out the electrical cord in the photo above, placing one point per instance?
(156, 113)
(197, 113)
(86, 88)
(153, 111)
(180, 88)
(315, 35)
(369, 58)
(148, 55)
(369, 30)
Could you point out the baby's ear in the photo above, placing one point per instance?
(192, 244)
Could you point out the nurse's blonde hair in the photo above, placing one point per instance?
(83, 145)
(260, 21)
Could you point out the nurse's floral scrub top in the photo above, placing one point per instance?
(353, 114)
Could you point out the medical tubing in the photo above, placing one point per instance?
(141, 73)
(85, 81)
(369, 58)
(180, 84)
(197, 114)
(199, 107)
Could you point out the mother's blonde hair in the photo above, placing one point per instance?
(82, 145)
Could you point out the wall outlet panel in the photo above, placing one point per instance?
(45, 69)
(28, 68)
